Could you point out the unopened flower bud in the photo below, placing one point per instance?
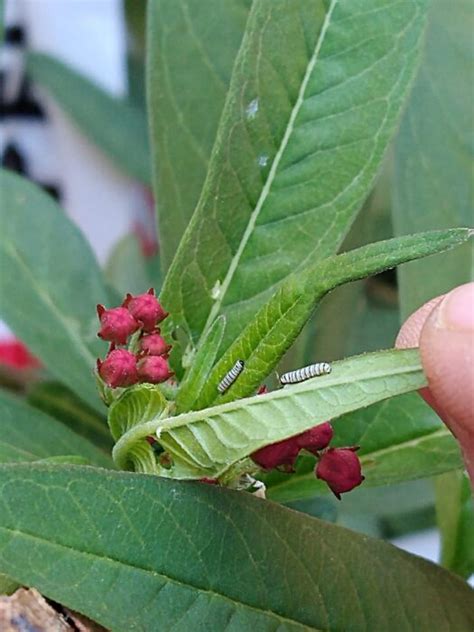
(316, 438)
(262, 390)
(280, 453)
(154, 345)
(340, 468)
(154, 369)
(118, 369)
(146, 309)
(117, 324)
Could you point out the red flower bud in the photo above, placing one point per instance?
(117, 324)
(262, 390)
(316, 438)
(154, 345)
(209, 481)
(146, 309)
(280, 453)
(118, 369)
(340, 468)
(154, 369)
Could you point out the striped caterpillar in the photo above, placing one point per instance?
(231, 376)
(305, 373)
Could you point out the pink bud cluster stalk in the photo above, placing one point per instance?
(339, 467)
(148, 363)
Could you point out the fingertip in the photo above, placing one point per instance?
(447, 354)
(409, 335)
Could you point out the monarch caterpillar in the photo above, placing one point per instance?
(231, 376)
(305, 373)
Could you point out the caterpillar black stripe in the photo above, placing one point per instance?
(305, 373)
(231, 376)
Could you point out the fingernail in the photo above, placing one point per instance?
(456, 311)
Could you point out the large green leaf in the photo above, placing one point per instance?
(455, 512)
(27, 434)
(278, 323)
(191, 51)
(50, 284)
(150, 554)
(117, 127)
(210, 441)
(435, 150)
(400, 439)
(314, 98)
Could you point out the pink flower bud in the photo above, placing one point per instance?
(154, 345)
(262, 390)
(117, 324)
(154, 369)
(316, 438)
(146, 309)
(118, 369)
(280, 453)
(340, 468)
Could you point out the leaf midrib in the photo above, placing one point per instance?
(164, 577)
(272, 173)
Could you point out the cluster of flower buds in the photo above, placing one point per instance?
(148, 360)
(339, 467)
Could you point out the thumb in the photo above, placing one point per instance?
(444, 331)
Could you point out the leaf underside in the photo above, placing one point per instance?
(208, 442)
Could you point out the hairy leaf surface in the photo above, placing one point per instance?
(266, 338)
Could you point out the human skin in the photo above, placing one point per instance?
(443, 329)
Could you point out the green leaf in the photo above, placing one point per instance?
(191, 51)
(117, 127)
(27, 434)
(435, 150)
(140, 403)
(49, 285)
(59, 402)
(275, 327)
(208, 442)
(189, 556)
(201, 365)
(455, 513)
(7, 585)
(361, 316)
(314, 99)
(126, 268)
(400, 439)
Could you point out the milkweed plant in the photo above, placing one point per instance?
(224, 443)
